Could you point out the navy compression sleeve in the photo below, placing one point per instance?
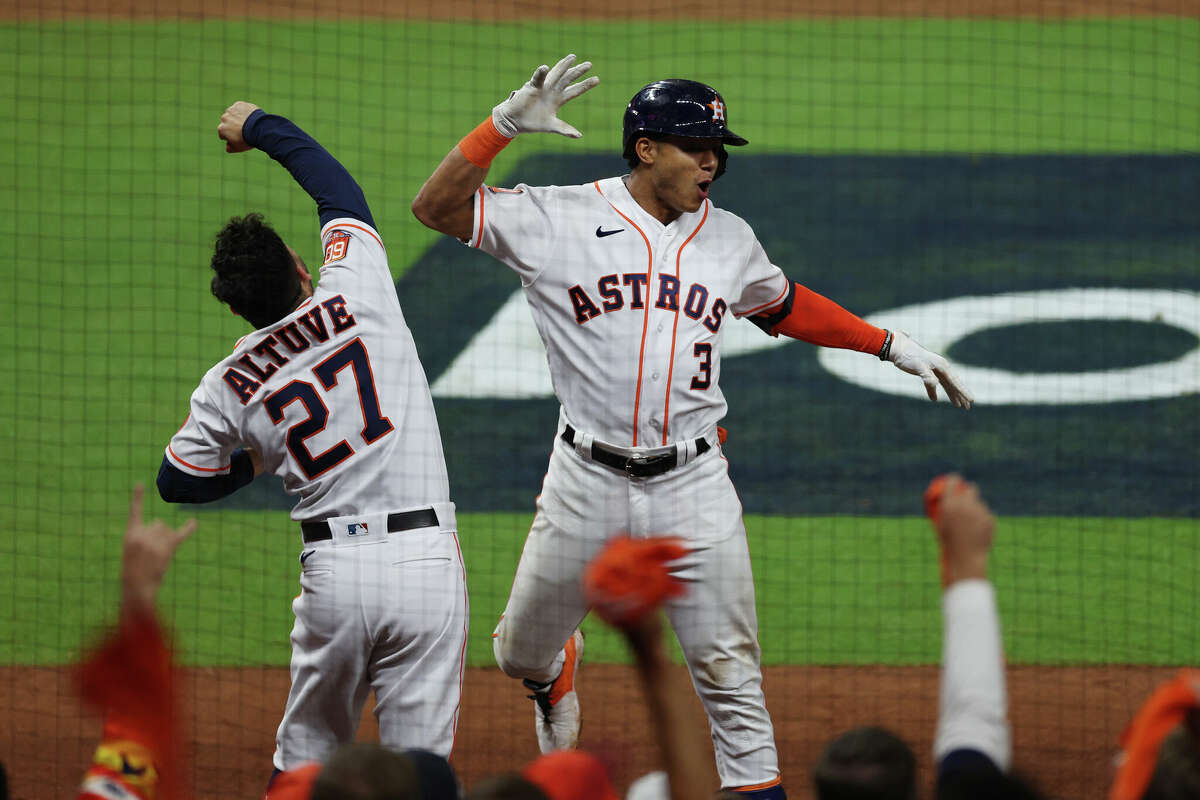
(177, 486)
(319, 173)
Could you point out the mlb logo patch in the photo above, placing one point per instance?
(356, 528)
(337, 246)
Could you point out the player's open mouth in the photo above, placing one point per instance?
(703, 186)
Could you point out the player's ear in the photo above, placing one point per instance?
(302, 272)
(646, 149)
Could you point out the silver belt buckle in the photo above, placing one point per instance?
(640, 461)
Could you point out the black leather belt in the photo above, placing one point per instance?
(634, 466)
(400, 521)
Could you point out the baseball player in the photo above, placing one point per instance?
(631, 280)
(328, 394)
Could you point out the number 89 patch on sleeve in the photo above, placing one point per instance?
(337, 246)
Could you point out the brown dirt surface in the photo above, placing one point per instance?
(1066, 722)
(502, 10)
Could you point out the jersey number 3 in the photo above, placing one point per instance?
(703, 379)
(375, 425)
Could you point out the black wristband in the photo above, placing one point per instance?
(886, 349)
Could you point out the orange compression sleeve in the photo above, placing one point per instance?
(483, 144)
(813, 318)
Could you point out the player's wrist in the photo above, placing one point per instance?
(885, 350)
(505, 125)
(965, 568)
(484, 143)
(250, 125)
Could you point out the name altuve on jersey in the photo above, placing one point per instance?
(327, 318)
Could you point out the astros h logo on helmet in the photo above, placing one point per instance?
(718, 109)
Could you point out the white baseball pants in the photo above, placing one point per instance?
(381, 611)
(583, 505)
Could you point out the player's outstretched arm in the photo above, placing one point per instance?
(245, 126)
(445, 201)
(810, 317)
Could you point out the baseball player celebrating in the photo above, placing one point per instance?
(631, 280)
(328, 394)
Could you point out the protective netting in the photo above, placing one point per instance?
(1014, 183)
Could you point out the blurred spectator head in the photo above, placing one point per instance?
(571, 775)
(509, 786)
(1160, 750)
(864, 763)
(1177, 773)
(371, 772)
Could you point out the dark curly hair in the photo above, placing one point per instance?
(255, 272)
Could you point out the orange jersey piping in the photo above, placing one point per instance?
(637, 398)
(773, 303)
(462, 655)
(193, 466)
(367, 231)
(479, 222)
(675, 327)
(757, 786)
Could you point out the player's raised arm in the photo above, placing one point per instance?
(445, 203)
(972, 729)
(244, 126)
(130, 677)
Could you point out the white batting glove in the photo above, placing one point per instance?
(534, 107)
(931, 368)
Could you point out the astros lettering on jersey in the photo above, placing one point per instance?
(633, 351)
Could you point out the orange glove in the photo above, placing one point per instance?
(629, 578)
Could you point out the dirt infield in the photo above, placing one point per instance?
(1065, 722)
(501, 10)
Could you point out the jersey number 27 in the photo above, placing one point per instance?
(375, 425)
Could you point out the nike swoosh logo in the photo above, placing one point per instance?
(600, 234)
(304, 556)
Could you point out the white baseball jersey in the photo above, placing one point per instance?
(630, 309)
(332, 396)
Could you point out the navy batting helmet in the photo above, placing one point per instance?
(678, 107)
